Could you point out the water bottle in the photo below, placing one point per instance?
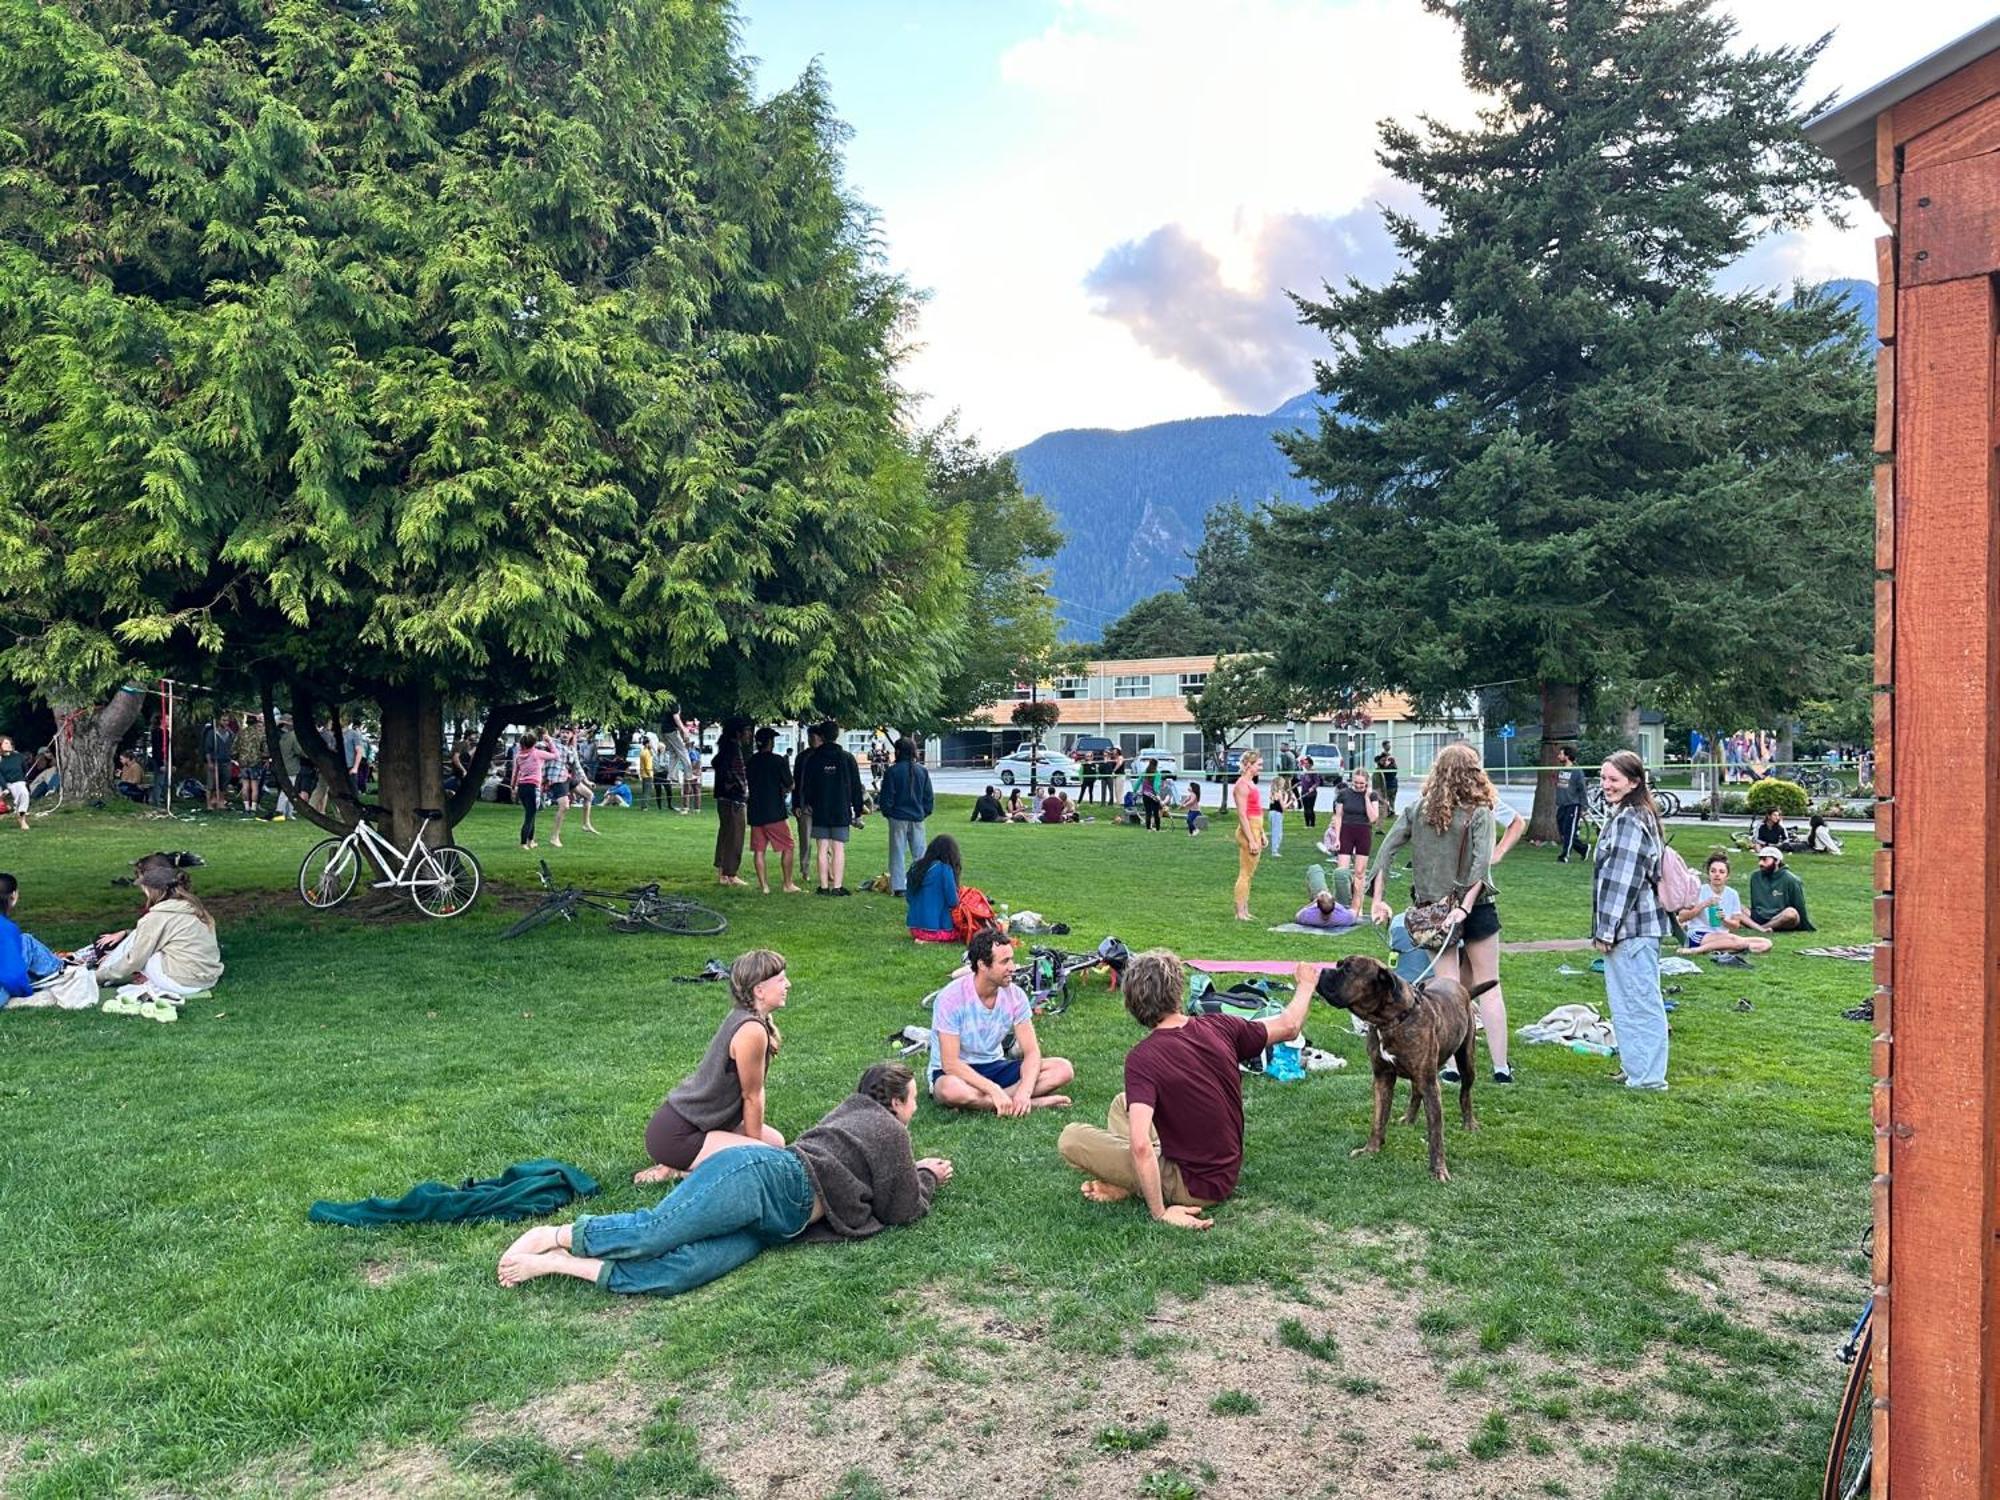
(1592, 1049)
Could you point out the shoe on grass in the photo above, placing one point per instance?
(1503, 1075)
(555, 843)
(1448, 1073)
(160, 1010)
(120, 1005)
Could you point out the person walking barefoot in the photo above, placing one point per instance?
(1250, 831)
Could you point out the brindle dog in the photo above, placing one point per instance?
(1412, 1030)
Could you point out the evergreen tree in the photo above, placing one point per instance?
(394, 351)
(1162, 624)
(1010, 624)
(1555, 451)
(1219, 589)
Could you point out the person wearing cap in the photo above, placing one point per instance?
(1777, 896)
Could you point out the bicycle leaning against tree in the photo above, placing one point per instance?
(441, 881)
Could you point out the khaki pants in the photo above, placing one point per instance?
(1107, 1156)
(1247, 854)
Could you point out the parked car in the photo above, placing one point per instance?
(1325, 758)
(1052, 766)
(1092, 747)
(1170, 763)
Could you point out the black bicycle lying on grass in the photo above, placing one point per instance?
(1048, 972)
(639, 908)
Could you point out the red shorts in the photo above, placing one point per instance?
(1354, 838)
(771, 836)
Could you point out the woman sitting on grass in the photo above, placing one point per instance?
(1715, 924)
(932, 894)
(169, 956)
(721, 1103)
(849, 1177)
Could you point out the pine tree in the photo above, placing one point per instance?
(1555, 451)
(392, 351)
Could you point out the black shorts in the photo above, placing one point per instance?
(1483, 921)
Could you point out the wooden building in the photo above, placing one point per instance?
(1924, 147)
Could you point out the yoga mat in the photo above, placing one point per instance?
(1244, 965)
(1319, 931)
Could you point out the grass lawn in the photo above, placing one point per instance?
(1615, 1295)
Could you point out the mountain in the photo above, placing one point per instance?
(1131, 504)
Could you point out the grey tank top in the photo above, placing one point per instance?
(711, 1097)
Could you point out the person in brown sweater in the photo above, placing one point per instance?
(849, 1177)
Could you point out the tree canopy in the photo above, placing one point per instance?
(517, 352)
(1554, 450)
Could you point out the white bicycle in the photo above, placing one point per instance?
(442, 882)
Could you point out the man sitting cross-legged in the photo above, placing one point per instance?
(970, 1023)
(1176, 1133)
(1777, 896)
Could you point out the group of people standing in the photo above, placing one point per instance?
(549, 770)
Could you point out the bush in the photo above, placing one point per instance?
(1734, 803)
(1787, 796)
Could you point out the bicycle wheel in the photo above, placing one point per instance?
(1850, 1459)
(681, 918)
(448, 883)
(1669, 803)
(327, 873)
(548, 911)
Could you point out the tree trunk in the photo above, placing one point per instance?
(409, 763)
(1628, 727)
(1561, 707)
(87, 741)
(1785, 766)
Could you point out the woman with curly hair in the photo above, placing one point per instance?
(1448, 832)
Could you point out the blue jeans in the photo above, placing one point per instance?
(906, 847)
(1638, 1015)
(727, 1211)
(1277, 830)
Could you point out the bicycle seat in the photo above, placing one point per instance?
(373, 811)
(430, 812)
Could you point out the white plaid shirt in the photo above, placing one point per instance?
(1623, 902)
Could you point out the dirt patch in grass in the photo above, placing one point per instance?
(1777, 1297)
(1345, 1397)
(611, 1414)
(404, 1473)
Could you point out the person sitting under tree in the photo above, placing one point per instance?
(1777, 896)
(1714, 923)
(971, 1021)
(1175, 1135)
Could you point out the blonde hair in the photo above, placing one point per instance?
(1455, 780)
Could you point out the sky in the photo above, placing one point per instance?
(1104, 202)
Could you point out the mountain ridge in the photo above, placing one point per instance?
(1131, 501)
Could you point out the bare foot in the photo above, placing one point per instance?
(763, 890)
(657, 1174)
(1364, 1150)
(515, 1269)
(536, 1241)
(794, 890)
(1104, 1192)
(1049, 1101)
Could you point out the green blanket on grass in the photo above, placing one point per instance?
(526, 1190)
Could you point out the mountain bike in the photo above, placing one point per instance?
(639, 908)
(1850, 1457)
(443, 882)
(1820, 781)
(1049, 971)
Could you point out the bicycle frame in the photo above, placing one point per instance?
(387, 854)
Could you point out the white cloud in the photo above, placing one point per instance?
(1117, 265)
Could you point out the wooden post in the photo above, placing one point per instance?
(1934, 174)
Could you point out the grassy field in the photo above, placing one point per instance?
(1632, 1296)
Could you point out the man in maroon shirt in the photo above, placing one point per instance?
(1175, 1136)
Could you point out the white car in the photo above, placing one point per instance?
(1052, 767)
(1170, 764)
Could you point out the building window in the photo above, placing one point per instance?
(1424, 747)
(1192, 758)
(1071, 687)
(1193, 682)
(1135, 744)
(1140, 686)
(1022, 692)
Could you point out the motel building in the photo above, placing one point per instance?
(1142, 706)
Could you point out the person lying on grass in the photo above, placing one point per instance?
(1715, 923)
(1175, 1136)
(970, 1023)
(170, 955)
(849, 1177)
(1328, 905)
(721, 1103)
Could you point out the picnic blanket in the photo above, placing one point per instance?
(1860, 953)
(526, 1190)
(1570, 1023)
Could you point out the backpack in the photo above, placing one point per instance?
(1247, 1000)
(973, 913)
(1675, 885)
